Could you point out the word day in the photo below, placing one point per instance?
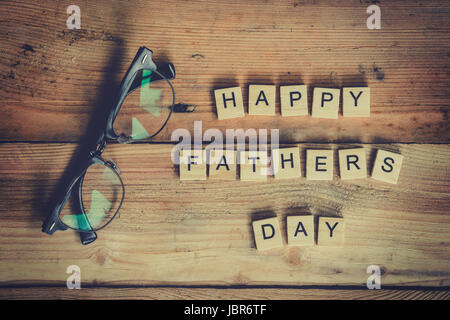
(285, 164)
(294, 101)
(300, 231)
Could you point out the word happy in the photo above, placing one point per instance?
(294, 101)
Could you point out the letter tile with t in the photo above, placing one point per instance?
(253, 165)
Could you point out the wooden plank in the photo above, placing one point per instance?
(54, 79)
(155, 293)
(199, 233)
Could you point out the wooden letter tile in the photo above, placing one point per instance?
(229, 103)
(387, 166)
(356, 102)
(352, 163)
(222, 164)
(286, 163)
(331, 232)
(319, 164)
(267, 234)
(192, 165)
(261, 100)
(300, 230)
(325, 103)
(294, 100)
(253, 165)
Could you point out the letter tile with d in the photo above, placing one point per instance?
(267, 234)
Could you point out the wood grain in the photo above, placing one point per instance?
(53, 80)
(155, 293)
(199, 233)
(55, 83)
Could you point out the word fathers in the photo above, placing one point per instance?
(285, 164)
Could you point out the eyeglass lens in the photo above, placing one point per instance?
(101, 196)
(145, 109)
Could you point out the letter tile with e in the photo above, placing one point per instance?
(319, 164)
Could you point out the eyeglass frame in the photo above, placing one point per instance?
(142, 61)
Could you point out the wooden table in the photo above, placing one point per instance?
(177, 239)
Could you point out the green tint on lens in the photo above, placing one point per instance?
(110, 175)
(149, 97)
(100, 206)
(77, 221)
(138, 131)
(146, 109)
(101, 196)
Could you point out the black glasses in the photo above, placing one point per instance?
(144, 104)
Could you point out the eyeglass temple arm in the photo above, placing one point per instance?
(72, 184)
(52, 222)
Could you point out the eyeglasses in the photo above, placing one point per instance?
(144, 104)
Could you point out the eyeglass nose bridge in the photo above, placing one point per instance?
(98, 149)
